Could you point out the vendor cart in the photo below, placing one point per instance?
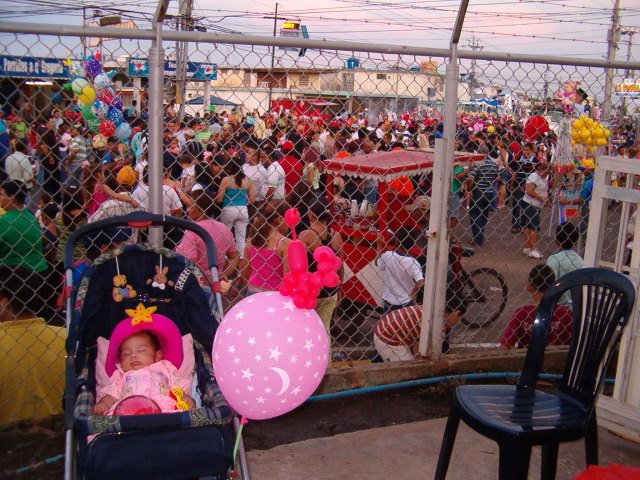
(363, 282)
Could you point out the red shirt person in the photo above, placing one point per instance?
(518, 331)
(292, 167)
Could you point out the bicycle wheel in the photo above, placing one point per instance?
(485, 293)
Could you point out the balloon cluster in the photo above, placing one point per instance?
(299, 284)
(586, 131)
(99, 105)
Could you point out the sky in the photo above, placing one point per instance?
(560, 27)
(573, 28)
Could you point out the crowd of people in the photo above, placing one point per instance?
(235, 175)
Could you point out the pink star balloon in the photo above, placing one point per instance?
(269, 355)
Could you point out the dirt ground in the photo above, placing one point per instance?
(28, 445)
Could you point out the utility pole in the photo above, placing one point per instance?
(474, 44)
(84, 39)
(273, 54)
(612, 41)
(185, 23)
(627, 76)
(546, 89)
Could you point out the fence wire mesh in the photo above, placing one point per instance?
(250, 131)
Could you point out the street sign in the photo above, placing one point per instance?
(352, 63)
(294, 30)
(628, 89)
(305, 34)
(33, 67)
(139, 67)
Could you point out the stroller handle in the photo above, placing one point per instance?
(140, 220)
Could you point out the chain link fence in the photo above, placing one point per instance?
(347, 137)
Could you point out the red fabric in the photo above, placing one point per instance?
(397, 213)
(535, 127)
(516, 150)
(292, 172)
(612, 472)
(402, 186)
(410, 162)
(518, 331)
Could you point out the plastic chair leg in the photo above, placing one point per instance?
(591, 441)
(549, 461)
(448, 439)
(514, 462)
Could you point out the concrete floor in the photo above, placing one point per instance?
(410, 451)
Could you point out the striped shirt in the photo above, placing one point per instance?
(400, 327)
(485, 175)
(80, 147)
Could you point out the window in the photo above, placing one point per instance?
(303, 81)
(381, 76)
(246, 80)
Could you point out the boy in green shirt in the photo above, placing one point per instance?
(20, 235)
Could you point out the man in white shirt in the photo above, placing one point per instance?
(402, 274)
(171, 204)
(18, 166)
(184, 135)
(535, 197)
(275, 178)
(254, 170)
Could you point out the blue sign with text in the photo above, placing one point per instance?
(32, 67)
(139, 67)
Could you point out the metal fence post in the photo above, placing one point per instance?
(154, 144)
(438, 248)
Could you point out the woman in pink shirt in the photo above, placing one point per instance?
(265, 258)
(97, 191)
(192, 247)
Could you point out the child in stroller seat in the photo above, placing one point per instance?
(143, 357)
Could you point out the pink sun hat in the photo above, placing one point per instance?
(142, 319)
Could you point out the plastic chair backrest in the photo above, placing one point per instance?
(602, 302)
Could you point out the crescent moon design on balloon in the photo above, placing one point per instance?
(284, 376)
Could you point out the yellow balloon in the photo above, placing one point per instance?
(87, 96)
(573, 141)
(601, 142)
(591, 150)
(590, 141)
(584, 133)
(598, 133)
(607, 133)
(578, 124)
(491, 129)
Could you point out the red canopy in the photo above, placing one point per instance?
(385, 166)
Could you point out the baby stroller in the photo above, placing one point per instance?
(182, 445)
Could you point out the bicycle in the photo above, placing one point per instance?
(483, 290)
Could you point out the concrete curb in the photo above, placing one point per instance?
(349, 375)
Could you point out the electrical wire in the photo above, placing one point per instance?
(400, 16)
